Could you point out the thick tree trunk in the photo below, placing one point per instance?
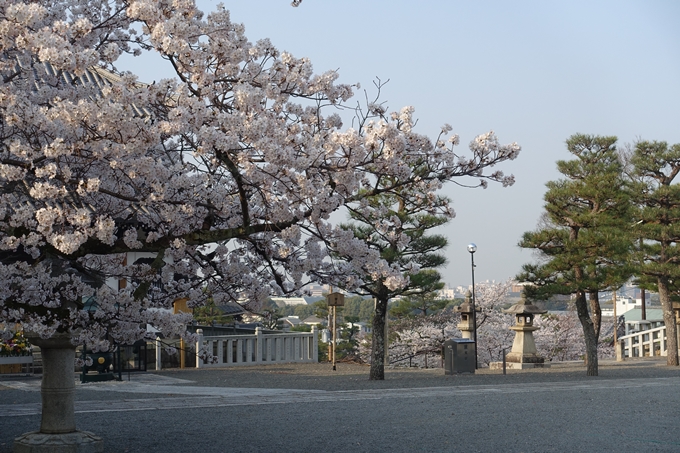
(588, 334)
(595, 312)
(669, 320)
(377, 372)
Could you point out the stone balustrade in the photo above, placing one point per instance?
(645, 343)
(258, 349)
(234, 350)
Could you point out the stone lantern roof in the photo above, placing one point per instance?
(465, 307)
(525, 307)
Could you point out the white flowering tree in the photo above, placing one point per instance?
(493, 326)
(559, 336)
(417, 340)
(225, 173)
(416, 335)
(397, 206)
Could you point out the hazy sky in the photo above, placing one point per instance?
(535, 72)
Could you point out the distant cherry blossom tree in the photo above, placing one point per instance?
(493, 326)
(417, 341)
(417, 335)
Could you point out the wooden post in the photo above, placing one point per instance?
(182, 354)
(333, 336)
(334, 300)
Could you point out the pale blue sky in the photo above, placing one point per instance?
(535, 72)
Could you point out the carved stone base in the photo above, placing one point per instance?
(518, 357)
(75, 442)
(517, 366)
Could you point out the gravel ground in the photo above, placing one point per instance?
(630, 407)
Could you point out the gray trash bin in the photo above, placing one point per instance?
(459, 356)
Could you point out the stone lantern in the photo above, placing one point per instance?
(524, 353)
(466, 325)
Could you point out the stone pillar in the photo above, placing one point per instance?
(57, 425)
(315, 345)
(258, 344)
(199, 347)
(159, 357)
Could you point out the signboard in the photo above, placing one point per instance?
(335, 299)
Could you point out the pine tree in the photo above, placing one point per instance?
(427, 302)
(655, 166)
(583, 242)
(396, 226)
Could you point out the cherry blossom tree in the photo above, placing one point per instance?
(223, 176)
(399, 204)
(423, 336)
(227, 172)
(417, 340)
(493, 326)
(559, 337)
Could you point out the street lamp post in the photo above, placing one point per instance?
(472, 248)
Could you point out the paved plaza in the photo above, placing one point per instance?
(631, 407)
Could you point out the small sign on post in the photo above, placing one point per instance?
(336, 299)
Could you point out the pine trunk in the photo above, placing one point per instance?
(669, 320)
(595, 312)
(588, 334)
(377, 372)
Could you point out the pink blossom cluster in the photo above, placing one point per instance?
(226, 173)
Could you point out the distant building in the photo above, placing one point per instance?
(624, 305)
(446, 293)
(317, 290)
(283, 301)
(362, 327)
(517, 288)
(314, 321)
(290, 321)
(634, 322)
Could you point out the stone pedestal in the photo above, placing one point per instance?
(523, 353)
(58, 432)
(74, 442)
(523, 347)
(517, 365)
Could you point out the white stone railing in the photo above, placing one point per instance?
(257, 349)
(645, 343)
(13, 360)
